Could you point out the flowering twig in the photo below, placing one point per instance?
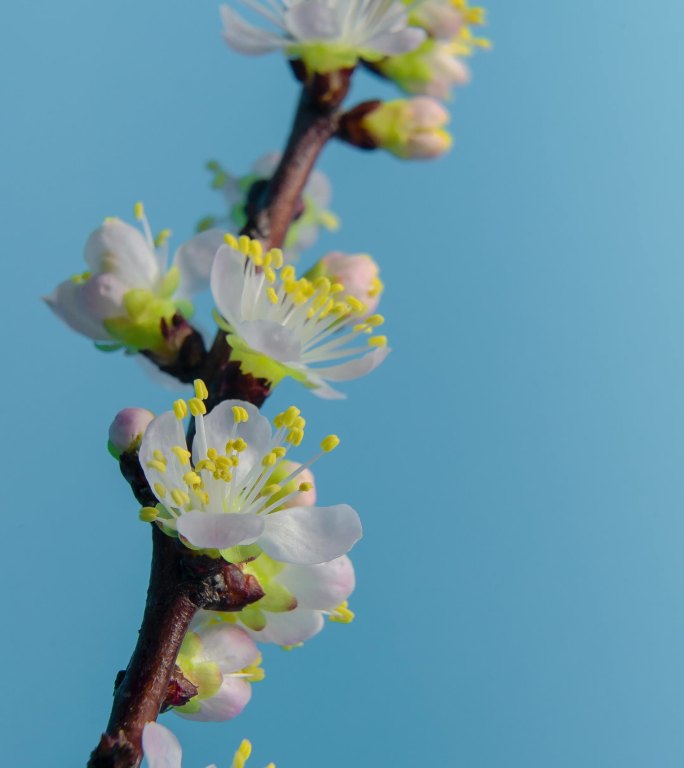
(181, 583)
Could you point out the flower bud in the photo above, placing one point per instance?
(357, 272)
(128, 428)
(304, 485)
(410, 128)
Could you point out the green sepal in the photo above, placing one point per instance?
(252, 617)
(192, 707)
(112, 450)
(277, 599)
(242, 553)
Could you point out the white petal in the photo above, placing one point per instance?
(231, 698)
(66, 302)
(228, 646)
(102, 296)
(219, 530)
(320, 587)
(352, 369)
(272, 339)
(395, 43)
(291, 627)
(266, 165)
(227, 283)
(162, 749)
(218, 426)
(244, 37)
(122, 249)
(194, 259)
(163, 434)
(309, 535)
(319, 189)
(311, 20)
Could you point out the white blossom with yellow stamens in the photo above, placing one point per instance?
(129, 289)
(218, 497)
(221, 662)
(279, 325)
(162, 749)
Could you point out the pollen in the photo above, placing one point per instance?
(201, 390)
(148, 514)
(330, 443)
(197, 406)
(269, 460)
(272, 295)
(231, 240)
(242, 754)
(239, 445)
(342, 614)
(182, 454)
(180, 408)
(377, 341)
(256, 249)
(179, 497)
(240, 414)
(192, 479)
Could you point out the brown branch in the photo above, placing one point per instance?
(180, 584)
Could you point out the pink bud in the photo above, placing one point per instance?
(358, 273)
(128, 428)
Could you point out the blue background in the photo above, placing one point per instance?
(517, 461)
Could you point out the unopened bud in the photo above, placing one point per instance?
(408, 128)
(128, 428)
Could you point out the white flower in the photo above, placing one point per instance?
(280, 326)
(303, 231)
(221, 661)
(219, 497)
(128, 291)
(325, 34)
(163, 750)
(297, 598)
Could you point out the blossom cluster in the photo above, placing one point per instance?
(214, 474)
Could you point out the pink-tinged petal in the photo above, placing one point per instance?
(219, 530)
(219, 428)
(195, 259)
(355, 368)
(66, 302)
(319, 189)
(290, 628)
(228, 646)
(309, 535)
(161, 748)
(312, 21)
(102, 296)
(320, 587)
(272, 339)
(395, 43)
(244, 37)
(227, 282)
(163, 434)
(231, 698)
(119, 248)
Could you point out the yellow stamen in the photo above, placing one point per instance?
(197, 406)
(139, 211)
(377, 341)
(330, 443)
(180, 408)
(305, 487)
(148, 514)
(201, 390)
(231, 240)
(160, 490)
(192, 478)
(271, 295)
(179, 497)
(158, 465)
(342, 614)
(182, 454)
(240, 414)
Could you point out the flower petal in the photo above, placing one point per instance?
(227, 283)
(102, 296)
(232, 697)
(244, 37)
(320, 587)
(66, 302)
(119, 248)
(271, 339)
(195, 259)
(395, 43)
(311, 20)
(162, 434)
(355, 368)
(219, 428)
(309, 535)
(290, 628)
(219, 530)
(161, 748)
(228, 646)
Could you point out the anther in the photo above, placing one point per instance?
(330, 443)
(148, 514)
(201, 390)
(180, 408)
